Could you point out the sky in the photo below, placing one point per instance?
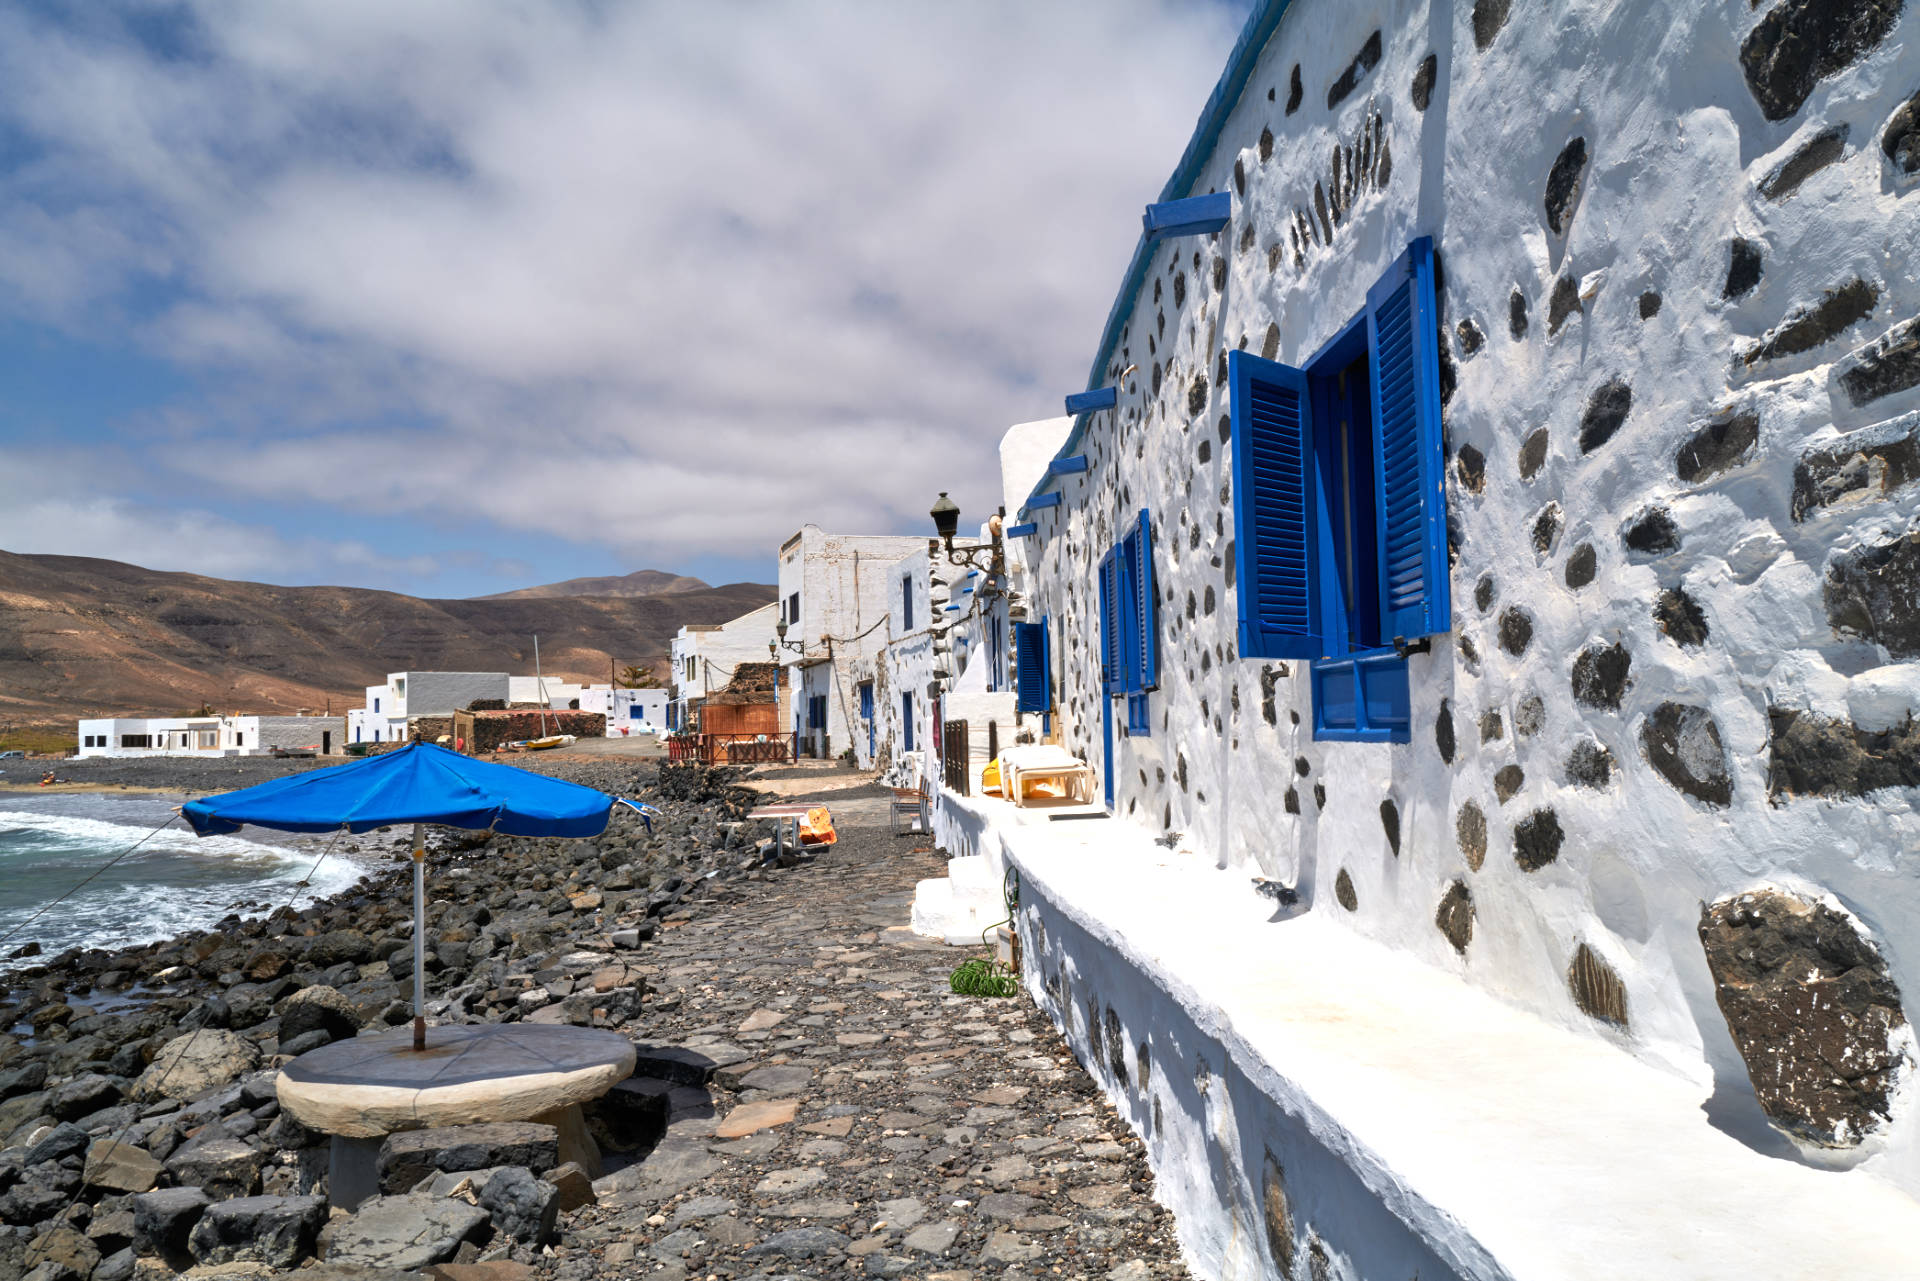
(449, 298)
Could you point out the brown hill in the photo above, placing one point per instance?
(642, 582)
(80, 637)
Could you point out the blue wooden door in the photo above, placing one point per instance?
(866, 713)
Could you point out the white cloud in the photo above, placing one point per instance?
(672, 279)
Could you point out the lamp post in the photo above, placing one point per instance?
(989, 557)
(775, 646)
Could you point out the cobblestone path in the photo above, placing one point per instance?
(862, 1119)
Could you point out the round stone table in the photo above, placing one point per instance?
(363, 1089)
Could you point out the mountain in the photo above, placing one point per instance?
(81, 637)
(642, 582)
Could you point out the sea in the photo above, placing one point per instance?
(173, 883)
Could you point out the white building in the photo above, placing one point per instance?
(1486, 602)
(406, 696)
(210, 735)
(834, 594)
(706, 654)
(628, 711)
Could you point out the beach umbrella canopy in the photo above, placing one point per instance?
(419, 784)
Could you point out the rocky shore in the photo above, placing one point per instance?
(889, 1128)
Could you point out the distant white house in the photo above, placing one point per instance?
(628, 711)
(210, 735)
(706, 654)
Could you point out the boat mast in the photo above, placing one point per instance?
(540, 684)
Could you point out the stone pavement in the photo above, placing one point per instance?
(859, 1119)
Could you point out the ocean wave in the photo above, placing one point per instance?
(96, 834)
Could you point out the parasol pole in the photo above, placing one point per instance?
(419, 936)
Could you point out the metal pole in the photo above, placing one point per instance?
(419, 936)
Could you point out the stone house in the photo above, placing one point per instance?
(1481, 572)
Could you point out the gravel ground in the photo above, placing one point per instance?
(928, 1135)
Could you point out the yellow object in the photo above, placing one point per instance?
(1043, 788)
(990, 778)
(817, 827)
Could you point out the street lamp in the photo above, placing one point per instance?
(989, 557)
(775, 646)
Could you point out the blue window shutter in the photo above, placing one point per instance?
(1363, 699)
(1030, 658)
(1087, 402)
(1127, 617)
(1143, 594)
(1109, 625)
(1410, 510)
(1273, 508)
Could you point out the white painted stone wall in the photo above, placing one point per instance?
(1680, 158)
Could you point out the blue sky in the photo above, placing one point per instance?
(450, 298)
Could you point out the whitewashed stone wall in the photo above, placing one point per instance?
(1681, 356)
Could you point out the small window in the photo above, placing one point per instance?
(793, 608)
(376, 704)
(906, 604)
(1339, 507)
(906, 722)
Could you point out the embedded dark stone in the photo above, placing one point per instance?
(1601, 675)
(1653, 533)
(1363, 62)
(1383, 166)
(1563, 302)
(1469, 652)
(1516, 630)
(1292, 800)
(1721, 445)
(1219, 283)
(1744, 263)
(1471, 339)
(1455, 917)
(1269, 678)
(1546, 528)
(1889, 364)
(1801, 42)
(1901, 140)
(1563, 185)
(1530, 717)
(1536, 840)
(1517, 315)
(1302, 766)
(1266, 145)
(1207, 605)
(1607, 408)
(1809, 755)
(1812, 1010)
(1873, 592)
(1319, 795)
(1683, 744)
(1179, 289)
(1491, 726)
(1343, 891)
(1470, 829)
(1533, 454)
(1471, 466)
(1390, 823)
(1279, 1215)
(1116, 1046)
(1823, 149)
(1226, 428)
(1507, 783)
(1596, 989)
(1680, 617)
(1443, 732)
(1294, 91)
(1423, 77)
(1649, 304)
(1855, 472)
(1240, 176)
(1837, 310)
(1444, 349)
(1180, 769)
(1205, 451)
(1590, 764)
(1483, 593)
(1488, 17)
(1270, 345)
